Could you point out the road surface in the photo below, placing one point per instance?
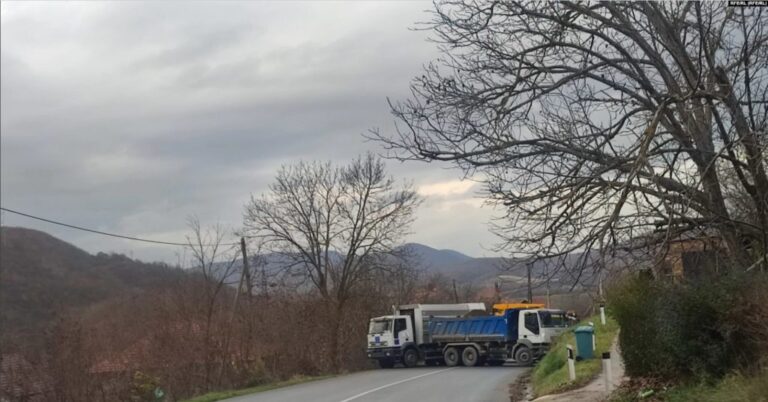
(422, 384)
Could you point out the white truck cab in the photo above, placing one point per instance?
(551, 324)
(390, 330)
(387, 338)
(538, 327)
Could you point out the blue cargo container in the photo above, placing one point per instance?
(483, 328)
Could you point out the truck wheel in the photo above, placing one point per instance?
(524, 356)
(410, 358)
(451, 357)
(470, 356)
(386, 363)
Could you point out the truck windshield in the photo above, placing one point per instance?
(379, 326)
(550, 319)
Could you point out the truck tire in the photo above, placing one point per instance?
(452, 357)
(386, 363)
(470, 356)
(410, 358)
(524, 356)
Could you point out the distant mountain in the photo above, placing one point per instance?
(435, 258)
(41, 276)
(428, 258)
(512, 273)
(479, 272)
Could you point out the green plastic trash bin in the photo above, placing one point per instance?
(584, 336)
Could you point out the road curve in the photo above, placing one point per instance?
(423, 384)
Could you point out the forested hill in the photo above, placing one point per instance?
(42, 276)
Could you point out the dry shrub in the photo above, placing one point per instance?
(694, 329)
(189, 345)
(748, 318)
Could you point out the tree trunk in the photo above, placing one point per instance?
(336, 316)
(740, 258)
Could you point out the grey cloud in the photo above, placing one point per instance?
(130, 116)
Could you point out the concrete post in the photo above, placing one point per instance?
(571, 364)
(602, 313)
(607, 372)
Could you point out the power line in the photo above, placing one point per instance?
(168, 243)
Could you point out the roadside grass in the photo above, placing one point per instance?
(219, 395)
(733, 388)
(550, 376)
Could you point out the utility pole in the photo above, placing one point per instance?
(530, 290)
(263, 263)
(600, 271)
(243, 274)
(246, 268)
(600, 284)
(546, 275)
(455, 292)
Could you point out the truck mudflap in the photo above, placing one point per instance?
(385, 353)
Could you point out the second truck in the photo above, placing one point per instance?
(462, 334)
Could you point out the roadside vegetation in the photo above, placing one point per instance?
(736, 387)
(550, 376)
(732, 388)
(694, 340)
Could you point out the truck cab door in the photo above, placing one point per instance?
(530, 327)
(403, 331)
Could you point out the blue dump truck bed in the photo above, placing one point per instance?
(481, 328)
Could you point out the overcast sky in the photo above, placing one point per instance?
(128, 117)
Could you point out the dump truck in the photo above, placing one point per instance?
(466, 335)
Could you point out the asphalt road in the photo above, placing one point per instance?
(423, 384)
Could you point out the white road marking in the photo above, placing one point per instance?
(394, 383)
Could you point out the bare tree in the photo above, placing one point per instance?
(215, 260)
(333, 225)
(593, 123)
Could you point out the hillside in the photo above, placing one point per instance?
(478, 273)
(435, 259)
(41, 276)
(487, 270)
